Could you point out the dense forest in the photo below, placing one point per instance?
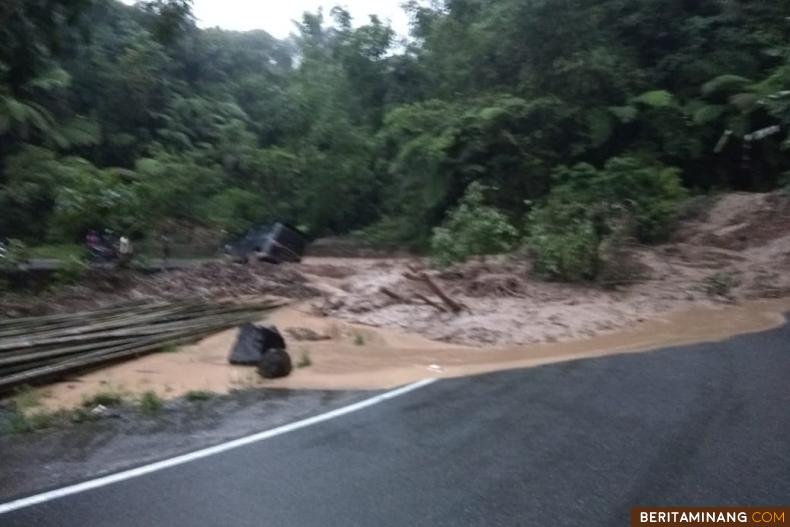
(497, 121)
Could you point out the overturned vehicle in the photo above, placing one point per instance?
(276, 244)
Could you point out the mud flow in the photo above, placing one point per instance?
(356, 357)
(365, 323)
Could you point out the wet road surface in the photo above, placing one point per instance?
(571, 444)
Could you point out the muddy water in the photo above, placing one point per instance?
(360, 357)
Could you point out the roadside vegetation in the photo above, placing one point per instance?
(198, 396)
(501, 125)
(150, 403)
(305, 361)
(27, 413)
(106, 398)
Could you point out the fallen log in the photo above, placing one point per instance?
(455, 307)
(431, 303)
(393, 295)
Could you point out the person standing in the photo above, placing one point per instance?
(165, 242)
(125, 250)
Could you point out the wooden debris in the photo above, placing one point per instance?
(33, 349)
(455, 307)
(424, 299)
(431, 303)
(393, 295)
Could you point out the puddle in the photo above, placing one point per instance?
(360, 357)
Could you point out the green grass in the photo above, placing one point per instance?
(359, 339)
(150, 403)
(63, 251)
(105, 398)
(27, 397)
(23, 423)
(304, 360)
(198, 395)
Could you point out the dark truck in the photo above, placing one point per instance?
(276, 244)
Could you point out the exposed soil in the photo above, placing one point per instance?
(738, 249)
(354, 357)
(212, 280)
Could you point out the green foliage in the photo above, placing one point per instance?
(198, 395)
(564, 240)
(235, 210)
(71, 271)
(21, 422)
(304, 360)
(586, 207)
(88, 197)
(58, 251)
(150, 403)
(472, 229)
(131, 117)
(724, 85)
(652, 193)
(656, 99)
(104, 398)
(17, 253)
(27, 397)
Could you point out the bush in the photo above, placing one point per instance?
(105, 398)
(589, 206)
(17, 253)
(198, 395)
(564, 241)
(20, 422)
(651, 192)
(472, 229)
(70, 271)
(150, 403)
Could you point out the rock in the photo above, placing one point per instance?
(274, 364)
(101, 412)
(252, 342)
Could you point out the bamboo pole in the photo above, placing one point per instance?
(67, 343)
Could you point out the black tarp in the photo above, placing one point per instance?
(253, 341)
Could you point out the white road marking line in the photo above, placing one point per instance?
(206, 452)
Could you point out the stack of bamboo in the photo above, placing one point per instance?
(39, 348)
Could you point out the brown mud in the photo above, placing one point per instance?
(724, 272)
(356, 357)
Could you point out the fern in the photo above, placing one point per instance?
(709, 113)
(54, 79)
(80, 131)
(600, 127)
(23, 116)
(726, 84)
(626, 114)
(655, 99)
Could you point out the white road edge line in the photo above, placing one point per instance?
(206, 452)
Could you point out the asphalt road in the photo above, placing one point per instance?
(570, 444)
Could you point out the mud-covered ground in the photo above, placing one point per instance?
(372, 328)
(735, 248)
